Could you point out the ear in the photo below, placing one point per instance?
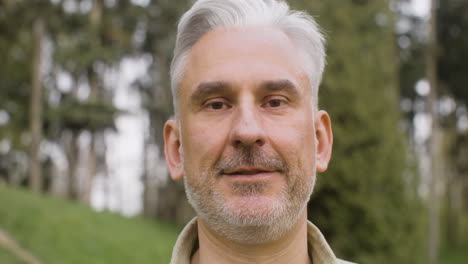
(324, 136)
(172, 150)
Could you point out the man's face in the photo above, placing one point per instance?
(247, 137)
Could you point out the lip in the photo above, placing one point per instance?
(250, 173)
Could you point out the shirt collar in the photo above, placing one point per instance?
(187, 244)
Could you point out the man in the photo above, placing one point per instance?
(248, 138)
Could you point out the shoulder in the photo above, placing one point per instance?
(319, 248)
(185, 244)
(340, 261)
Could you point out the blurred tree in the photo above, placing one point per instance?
(15, 54)
(452, 76)
(453, 48)
(359, 202)
(435, 173)
(446, 50)
(36, 100)
(162, 198)
(85, 38)
(89, 41)
(23, 36)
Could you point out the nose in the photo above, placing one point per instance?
(247, 129)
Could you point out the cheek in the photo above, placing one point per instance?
(201, 147)
(308, 144)
(295, 142)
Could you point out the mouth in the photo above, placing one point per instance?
(247, 172)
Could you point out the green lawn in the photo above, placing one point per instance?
(58, 232)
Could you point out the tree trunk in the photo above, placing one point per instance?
(72, 157)
(149, 188)
(95, 18)
(434, 140)
(92, 157)
(36, 108)
(91, 161)
(452, 215)
(152, 180)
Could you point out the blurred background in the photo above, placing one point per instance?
(84, 94)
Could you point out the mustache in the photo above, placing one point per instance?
(251, 157)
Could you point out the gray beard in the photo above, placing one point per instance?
(249, 225)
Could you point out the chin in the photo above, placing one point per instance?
(253, 210)
(249, 214)
(255, 220)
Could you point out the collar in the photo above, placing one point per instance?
(187, 243)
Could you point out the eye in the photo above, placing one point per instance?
(216, 105)
(275, 103)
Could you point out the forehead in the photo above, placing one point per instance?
(243, 55)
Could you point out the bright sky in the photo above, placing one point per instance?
(420, 7)
(124, 148)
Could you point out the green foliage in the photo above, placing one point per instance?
(81, 43)
(412, 57)
(58, 231)
(366, 203)
(77, 116)
(451, 55)
(453, 47)
(15, 69)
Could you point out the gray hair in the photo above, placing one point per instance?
(206, 15)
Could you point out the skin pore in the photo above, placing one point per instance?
(248, 144)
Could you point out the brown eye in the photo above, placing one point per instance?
(275, 103)
(217, 105)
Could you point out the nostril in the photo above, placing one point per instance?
(240, 143)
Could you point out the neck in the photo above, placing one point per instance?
(291, 248)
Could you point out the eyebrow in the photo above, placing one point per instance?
(206, 89)
(280, 85)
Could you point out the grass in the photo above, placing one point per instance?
(58, 231)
